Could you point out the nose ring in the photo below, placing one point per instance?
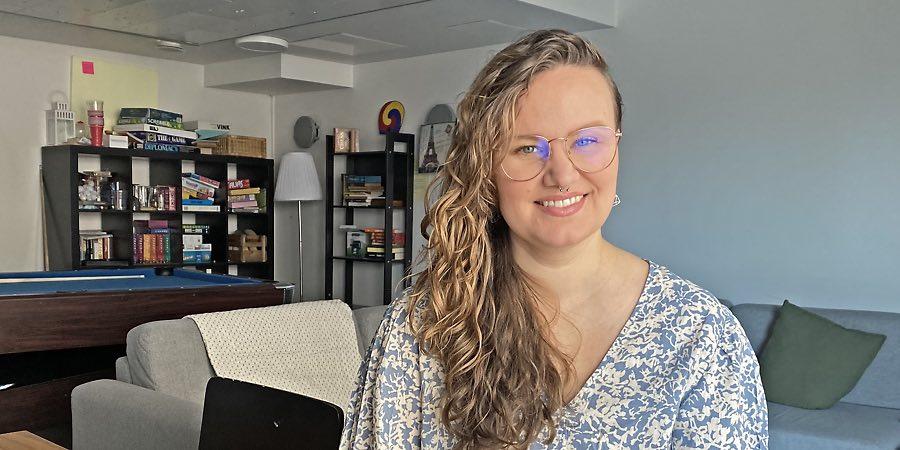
(561, 189)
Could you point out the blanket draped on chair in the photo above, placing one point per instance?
(307, 348)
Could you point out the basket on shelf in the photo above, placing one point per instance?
(233, 145)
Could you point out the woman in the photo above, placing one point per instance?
(528, 329)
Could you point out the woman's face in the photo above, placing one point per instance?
(558, 102)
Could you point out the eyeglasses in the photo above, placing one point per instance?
(589, 149)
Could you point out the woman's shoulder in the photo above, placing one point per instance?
(395, 333)
(690, 307)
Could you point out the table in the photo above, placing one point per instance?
(23, 440)
(64, 328)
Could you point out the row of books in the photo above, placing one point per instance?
(242, 197)
(369, 242)
(95, 245)
(152, 242)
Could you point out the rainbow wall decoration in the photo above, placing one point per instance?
(390, 117)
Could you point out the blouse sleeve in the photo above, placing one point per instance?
(726, 407)
(385, 409)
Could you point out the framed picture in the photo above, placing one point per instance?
(434, 144)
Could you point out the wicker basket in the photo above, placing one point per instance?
(244, 248)
(232, 145)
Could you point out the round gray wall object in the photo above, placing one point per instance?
(306, 132)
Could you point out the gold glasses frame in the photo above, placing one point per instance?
(616, 133)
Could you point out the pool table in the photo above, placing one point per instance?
(63, 328)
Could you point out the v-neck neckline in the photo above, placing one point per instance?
(617, 342)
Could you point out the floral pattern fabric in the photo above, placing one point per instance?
(680, 374)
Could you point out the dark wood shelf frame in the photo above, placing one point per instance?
(60, 178)
(396, 170)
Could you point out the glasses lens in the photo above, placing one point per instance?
(526, 158)
(592, 148)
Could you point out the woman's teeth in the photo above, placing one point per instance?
(563, 203)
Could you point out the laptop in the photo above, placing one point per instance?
(241, 415)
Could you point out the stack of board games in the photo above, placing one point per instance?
(376, 249)
(242, 197)
(151, 242)
(195, 251)
(208, 134)
(155, 129)
(198, 193)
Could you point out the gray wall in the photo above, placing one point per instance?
(760, 145)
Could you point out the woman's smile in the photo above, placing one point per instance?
(562, 205)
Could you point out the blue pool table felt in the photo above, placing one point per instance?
(180, 278)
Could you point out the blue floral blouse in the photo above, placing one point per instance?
(681, 374)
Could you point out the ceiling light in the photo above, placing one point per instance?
(260, 43)
(169, 46)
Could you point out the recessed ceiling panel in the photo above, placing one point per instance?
(346, 44)
(153, 18)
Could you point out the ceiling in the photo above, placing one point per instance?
(344, 31)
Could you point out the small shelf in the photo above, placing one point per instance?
(370, 154)
(105, 211)
(373, 260)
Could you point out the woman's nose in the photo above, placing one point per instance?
(560, 170)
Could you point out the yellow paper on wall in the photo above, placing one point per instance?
(118, 85)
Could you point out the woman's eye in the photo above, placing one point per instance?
(581, 142)
(527, 150)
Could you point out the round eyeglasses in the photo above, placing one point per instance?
(589, 149)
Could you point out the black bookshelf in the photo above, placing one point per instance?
(61, 180)
(396, 170)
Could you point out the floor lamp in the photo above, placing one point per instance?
(298, 182)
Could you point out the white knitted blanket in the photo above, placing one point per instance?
(307, 348)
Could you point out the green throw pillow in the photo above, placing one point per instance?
(811, 362)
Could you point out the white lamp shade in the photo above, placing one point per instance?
(297, 179)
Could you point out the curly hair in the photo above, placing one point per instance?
(473, 308)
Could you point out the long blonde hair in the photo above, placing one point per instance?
(477, 310)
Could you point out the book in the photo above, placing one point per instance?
(194, 125)
(201, 179)
(145, 137)
(238, 184)
(244, 191)
(159, 146)
(197, 201)
(201, 208)
(187, 193)
(150, 121)
(150, 113)
(195, 185)
(241, 198)
(155, 129)
(238, 205)
(194, 228)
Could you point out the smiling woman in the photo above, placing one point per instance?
(528, 329)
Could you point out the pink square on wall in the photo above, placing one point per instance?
(87, 67)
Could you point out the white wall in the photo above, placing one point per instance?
(30, 72)
(760, 149)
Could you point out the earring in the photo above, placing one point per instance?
(617, 200)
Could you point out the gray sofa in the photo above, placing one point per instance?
(156, 401)
(866, 418)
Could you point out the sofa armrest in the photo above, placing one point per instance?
(108, 414)
(123, 374)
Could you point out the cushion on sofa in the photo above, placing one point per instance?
(169, 356)
(879, 385)
(811, 362)
(367, 322)
(844, 426)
